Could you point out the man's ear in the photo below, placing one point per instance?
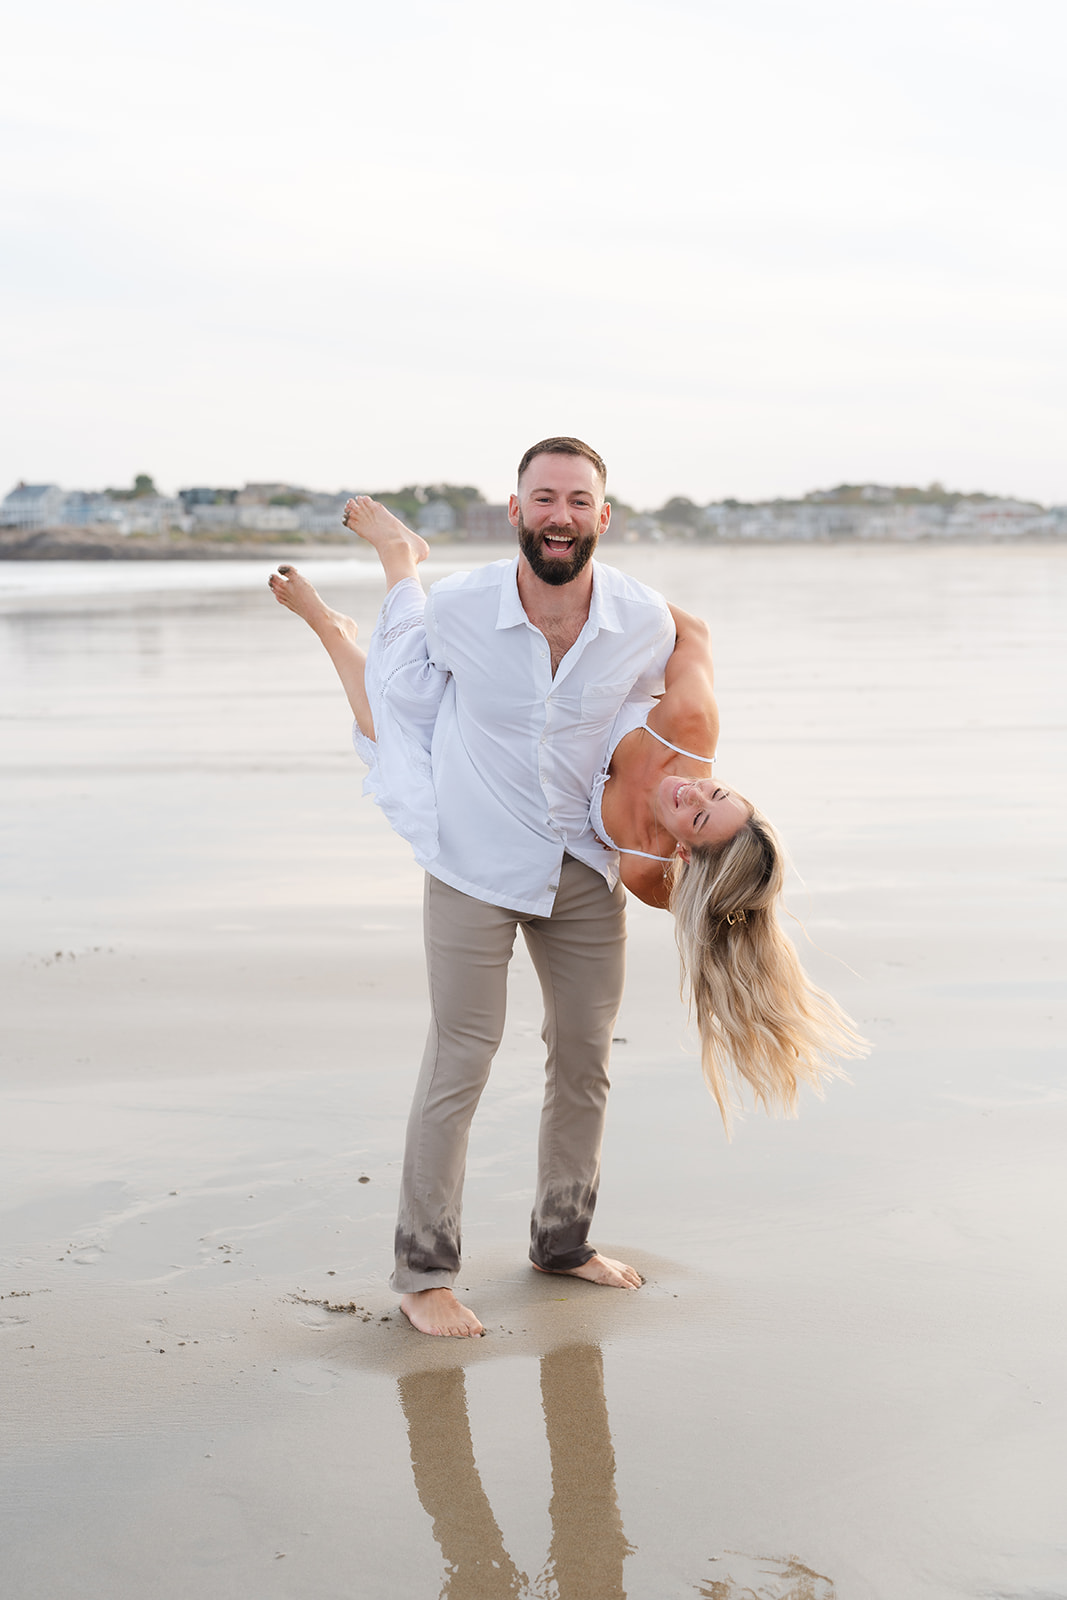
(513, 510)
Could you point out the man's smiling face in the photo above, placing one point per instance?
(560, 513)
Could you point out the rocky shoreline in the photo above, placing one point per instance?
(91, 544)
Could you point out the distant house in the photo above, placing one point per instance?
(84, 508)
(33, 505)
(153, 513)
(267, 518)
(997, 519)
(323, 513)
(214, 514)
(191, 498)
(488, 522)
(45, 505)
(436, 516)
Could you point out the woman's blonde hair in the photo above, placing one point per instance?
(757, 1010)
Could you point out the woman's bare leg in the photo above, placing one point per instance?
(399, 550)
(338, 633)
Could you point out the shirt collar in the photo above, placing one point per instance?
(510, 613)
(603, 612)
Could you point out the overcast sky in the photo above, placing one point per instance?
(744, 249)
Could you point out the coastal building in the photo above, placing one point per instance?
(436, 517)
(875, 516)
(191, 498)
(215, 514)
(152, 513)
(84, 508)
(995, 519)
(851, 511)
(268, 518)
(46, 505)
(488, 522)
(33, 505)
(323, 513)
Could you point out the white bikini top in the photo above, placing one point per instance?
(638, 718)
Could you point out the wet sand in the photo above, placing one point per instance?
(844, 1376)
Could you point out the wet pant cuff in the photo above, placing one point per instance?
(563, 1261)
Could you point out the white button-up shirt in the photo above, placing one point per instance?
(485, 761)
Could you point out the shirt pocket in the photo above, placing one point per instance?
(596, 709)
(604, 699)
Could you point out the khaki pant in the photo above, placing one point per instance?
(578, 953)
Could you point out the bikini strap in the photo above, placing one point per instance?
(646, 854)
(710, 760)
(596, 816)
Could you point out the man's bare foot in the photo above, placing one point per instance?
(600, 1269)
(438, 1311)
(371, 521)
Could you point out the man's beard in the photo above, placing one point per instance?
(560, 569)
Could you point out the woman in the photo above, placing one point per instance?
(689, 844)
(686, 842)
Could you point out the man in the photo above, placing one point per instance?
(511, 679)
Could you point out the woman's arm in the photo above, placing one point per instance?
(691, 656)
(688, 713)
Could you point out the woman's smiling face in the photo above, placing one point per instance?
(700, 811)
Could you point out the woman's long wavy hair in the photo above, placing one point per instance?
(761, 1019)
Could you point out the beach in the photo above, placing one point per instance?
(843, 1378)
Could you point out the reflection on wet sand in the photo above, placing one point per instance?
(588, 1546)
(764, 1578)
(477, 1567)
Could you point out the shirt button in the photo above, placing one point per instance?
(553, 887)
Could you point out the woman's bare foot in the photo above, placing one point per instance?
(337, 632)
(291, 589)
(600, 1269)
(371, 521)
(438, 1311)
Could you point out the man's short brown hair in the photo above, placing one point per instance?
(565, 447)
